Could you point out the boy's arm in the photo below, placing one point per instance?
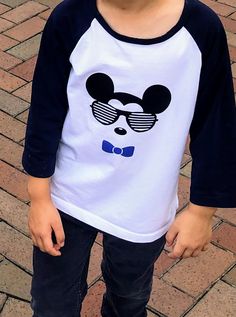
(213, 150)
(47, 113)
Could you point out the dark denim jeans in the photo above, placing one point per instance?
(59, 284)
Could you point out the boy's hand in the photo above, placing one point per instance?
(43, 218)
(191, 231)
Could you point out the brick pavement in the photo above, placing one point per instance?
(204, 286)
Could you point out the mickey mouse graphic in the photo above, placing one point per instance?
(155, 100)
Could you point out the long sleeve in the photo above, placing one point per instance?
(213, 129)
(49, 103)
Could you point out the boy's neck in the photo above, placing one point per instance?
(131, 5)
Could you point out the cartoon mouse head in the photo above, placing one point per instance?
(155, 100)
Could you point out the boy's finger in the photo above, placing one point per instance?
(177, 251)
(187, 253)
(48, 246)
(171, 236)
(59, 233)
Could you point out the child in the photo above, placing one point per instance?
(117, 87)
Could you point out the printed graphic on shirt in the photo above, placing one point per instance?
(156, 99)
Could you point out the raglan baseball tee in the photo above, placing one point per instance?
(110, 115)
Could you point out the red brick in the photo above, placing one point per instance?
(24, 92)
(44, 15)
(233, 16)
(4, 25)
(11, 127)
(16, 307)
(228, 214)
(234, 70)
(8, 61)
(194, 275)
(186, 151)
(15, 246)
(99, 238)
(218, 302)
(14, 212)
(11, 152)
(24, 11)
(231, 38)
(23, 116)
(13, 181)
(183, 191)
(92, 303)
(168, 300)
(234, 81)
(6, 42)
(230, 277)
(225, 235)
(228, 2)
(26, 29)
(10, 82)
(95, 263)
(26, 69)
(229, 24)
(163, 263)
(219, 8)
(186, 158)
(232, 52)
(3, 8)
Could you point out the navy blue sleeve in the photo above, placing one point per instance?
(49, 102)
(213, 129)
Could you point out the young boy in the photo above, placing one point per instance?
(117, 87)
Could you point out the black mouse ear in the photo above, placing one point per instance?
(100, 87)
(156, 99)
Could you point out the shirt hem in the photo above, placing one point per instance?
(106, 226)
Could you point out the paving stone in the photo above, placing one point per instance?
(11, 152)
(14, 212)
(186, 158)
(24, 92)
(225, 235)
(6, 42)
(95, 263)
(183, 191)
(45, 15)
(232, 52)
(26, 69)
(3, 298)
(10, 82)
(162, 264)
(14, 281)
(219, 301)
(231, 38)
(13, 3)
(228, 2)
(234, 70)
(92, 303)
(230, 277)
(23, 116)
(219, 8)
(26, 49)
(27, 29)
(233, 16)
(186, 170)
(23, 12)
(4, 8)
(16, 247)
(194, 275)
(8, 61)
(13, 181)
(4, 25)
(229, 24)
(186, 151)
(50, 3)
(99, 238)
(16, 308)
(11, 127)
(168, 300)
(12, 104)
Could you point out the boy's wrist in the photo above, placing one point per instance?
(204, 211)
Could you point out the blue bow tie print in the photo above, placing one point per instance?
(109, 148)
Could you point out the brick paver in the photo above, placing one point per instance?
(195, 287)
